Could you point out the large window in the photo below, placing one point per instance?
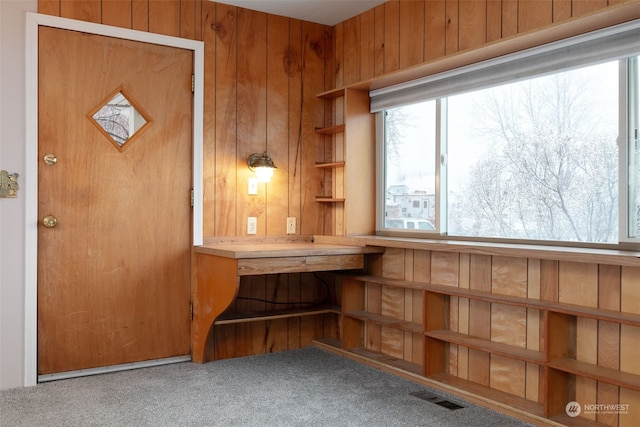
(552, 156)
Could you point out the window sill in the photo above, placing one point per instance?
(557, 253)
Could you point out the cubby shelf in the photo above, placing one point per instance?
(558, 365)
(389, 322)
(599, 373)
(349, 138)
(330, 165)
(487, 345)
(231, 318)
(330, 130)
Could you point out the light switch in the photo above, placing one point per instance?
(253, 186)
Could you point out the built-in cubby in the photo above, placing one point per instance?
(348, 163)
(555, 354)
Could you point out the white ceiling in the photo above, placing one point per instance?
(327, 12)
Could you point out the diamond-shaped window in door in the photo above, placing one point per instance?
(119, 119)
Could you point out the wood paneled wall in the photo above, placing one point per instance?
(262, 75)
(400, 34)
(263, 72)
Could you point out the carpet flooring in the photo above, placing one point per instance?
(306, 387)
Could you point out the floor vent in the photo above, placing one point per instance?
(438, 400)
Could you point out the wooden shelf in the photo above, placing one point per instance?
(328, 199)
(330, 130)
(227, 319)
(563, 308)
(490, 393)
(487, 346)
(598, 373)
(386, 321)
(332, 94)
(365, 355)
(330, 164)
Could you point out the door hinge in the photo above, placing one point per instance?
(193, 82)
(191, 311)
(192, 197)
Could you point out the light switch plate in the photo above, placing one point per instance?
(253, 186)
(252, 225)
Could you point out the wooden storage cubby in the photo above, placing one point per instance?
(558, 364)
(348, 165)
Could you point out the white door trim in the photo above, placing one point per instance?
(34, 20)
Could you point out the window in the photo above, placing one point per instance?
(552, 156)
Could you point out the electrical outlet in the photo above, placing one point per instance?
(252, 225)
(291, 225)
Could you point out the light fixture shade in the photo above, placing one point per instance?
(262, 165)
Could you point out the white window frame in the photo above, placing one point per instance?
(608, 44)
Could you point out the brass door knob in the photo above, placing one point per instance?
(49, 221)
(50, 159)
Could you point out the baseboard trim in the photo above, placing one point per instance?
(113, 368)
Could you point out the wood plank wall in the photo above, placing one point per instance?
(399, 34)
(262, 74)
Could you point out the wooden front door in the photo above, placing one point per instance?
(114, 259)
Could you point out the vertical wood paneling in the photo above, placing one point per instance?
(140, 14)
(315, 47)
(472, 24)
(251, 113)
(509, 276)
(392, 302)
(89, 11)
(464, 281)
(188, 26)
(49, 7)
(338, 54)
(510, 17)
(117, 13)
(444, 268)
(391, 36)
(379, 42)
(508, 324)
(578, 284)
(411, 33)
(561, 10)
(294, 72)
(630, 343)
(164, 17)
(584, 7)
(278, 64)
(352, 53)
(534, 14)
(533, 390)
(209, 35)
(225, 215)
(479, 317)
(494, 20)
(451, 32)
(435, 23)
(367, 45)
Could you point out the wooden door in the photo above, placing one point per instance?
(114, 271)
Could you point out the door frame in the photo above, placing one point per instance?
(33, 22)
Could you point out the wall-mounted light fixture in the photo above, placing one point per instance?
(262, 165)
